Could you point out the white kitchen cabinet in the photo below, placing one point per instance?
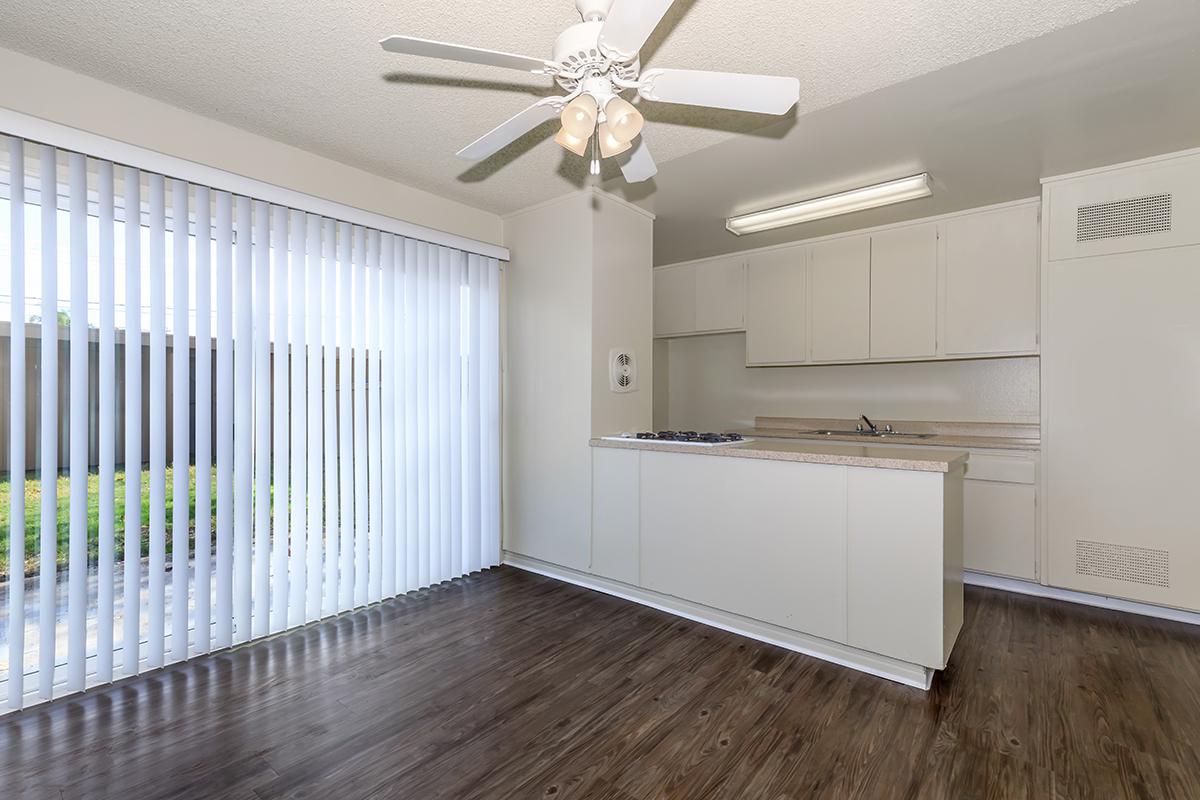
(904, 574)
(840, 291)
(615, 514)
(765, 539)
(674, 301)
(991, 281)
(700, 297)
(904, 292)
(777, 307)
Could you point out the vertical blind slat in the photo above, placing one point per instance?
(48, 546)
(329, 391)
(299, 521)
(261, 590)
(411, 471)
(374, 504)
(314, 495)
(474, 477)
(454, 301)
(131, 630)
(397, 413)
(16, 426)
(346, 252)
(436, 452)
(204, 395)
(279, 547)
(422, 384)
(158, 422)
(77, 566)
(223, 630)
(243, 430)
(180, 427)
(107, 408)
(387, 399)
(360, 418)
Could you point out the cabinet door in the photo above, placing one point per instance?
(767, 540)
(840, 283)
(720, 295)
(999, 528)
(904, 293)
(992, 282)
(616, 535)
(674, 301)
(776, 307)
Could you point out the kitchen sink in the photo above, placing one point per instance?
(872, 434)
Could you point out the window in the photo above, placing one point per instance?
(252, 416)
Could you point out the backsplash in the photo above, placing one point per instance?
(702, 383)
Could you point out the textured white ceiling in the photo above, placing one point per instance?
(312, 75)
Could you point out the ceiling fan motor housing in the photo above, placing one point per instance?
(576, 49)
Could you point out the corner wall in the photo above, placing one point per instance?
(579, 283)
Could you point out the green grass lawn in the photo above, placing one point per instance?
(33, 515)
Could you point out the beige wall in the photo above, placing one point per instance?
(579, 283)
(622, 312)
(547, 381)
(52, 93)
(710, 388)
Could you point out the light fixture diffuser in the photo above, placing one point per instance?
(880, 194)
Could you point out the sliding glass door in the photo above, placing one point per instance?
(222, 418)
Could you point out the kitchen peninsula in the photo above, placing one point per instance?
(849, 553)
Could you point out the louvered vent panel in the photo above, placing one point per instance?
(1138, 216)
(1144, 565)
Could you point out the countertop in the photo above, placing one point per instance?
(974, 435)
(849, 455)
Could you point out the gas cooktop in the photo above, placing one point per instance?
(687, 437)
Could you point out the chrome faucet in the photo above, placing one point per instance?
(870, 424)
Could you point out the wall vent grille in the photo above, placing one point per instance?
(1138, 216)
(1121, 562)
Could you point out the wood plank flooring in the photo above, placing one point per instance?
(510, 685)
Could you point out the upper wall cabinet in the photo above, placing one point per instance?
(700, 297)
(840, 278)
(777, 307)
(992, 282)
(904, 292)
(959, 286)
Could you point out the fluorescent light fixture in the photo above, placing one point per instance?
(881, 194)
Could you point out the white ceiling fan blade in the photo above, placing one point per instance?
(512, 129)
(637, 164)
(472, 55)
(764, 94)
(628, 25)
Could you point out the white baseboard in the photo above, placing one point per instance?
(1082, 598)
(892, 669)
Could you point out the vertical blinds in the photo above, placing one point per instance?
(225, 418)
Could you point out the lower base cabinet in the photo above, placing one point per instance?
(870, 558)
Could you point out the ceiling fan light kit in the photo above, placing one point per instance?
(594, 62)
(874, 196)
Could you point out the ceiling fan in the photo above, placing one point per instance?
(595, 61)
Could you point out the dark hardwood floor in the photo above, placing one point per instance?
(508, 684)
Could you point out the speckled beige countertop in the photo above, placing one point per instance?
(977, 435)
(783, 450)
